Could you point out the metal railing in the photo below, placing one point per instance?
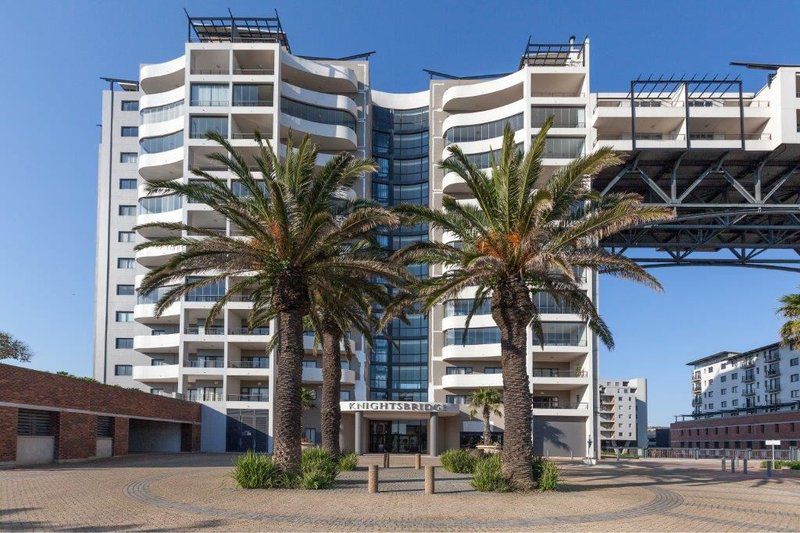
(248, 331)
(254, 71)
(562, 94)
(200, 330)
(248, 397)
(718, 453)
(252, 103)
(209, 103)
(210, 71)
(240, 135)
(205, 364)
(249, 364)
(558, 373)
(558, 405)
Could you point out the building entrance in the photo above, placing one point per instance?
(399, 436)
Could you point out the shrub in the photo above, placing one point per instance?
(257, 471)
(458, 461)
(777, 466)
(318, 469)
(347, 462)
(488, 476)
(548, 476)
(793, 465)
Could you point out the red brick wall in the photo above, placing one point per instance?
(704, 433)
(121, 425)
(32, 387)
(8, 434)
(76, 436)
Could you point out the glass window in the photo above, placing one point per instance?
(124, 343)
(480, 132)
(252, 94)
(129, 105)
(130, 131)
(563, 117)
(207, 293)
(154, 145)
(124, 316)
(126, 236)
(209, 94)
(127, 184)
(159, 204)
(123, 370)
(127, 210)
(125, 290)
(456, 336)
(462, 307)
(201, 125)
(563, 147)
(458, 370)
(125, 262)
(128, 157)
(322, 115)
(484, 159)
(162, 113)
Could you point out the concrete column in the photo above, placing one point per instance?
(430, 479)
(372, 479)
(432, 430)
(358, 435)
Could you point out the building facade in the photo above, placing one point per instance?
(238, 76)
(623, 413)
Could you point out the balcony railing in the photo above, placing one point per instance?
(204, 396)
(200, 330)
(554, 404)
(558, 373)
(774, 387)
(749, 392)
(264, 363)
(248, 331)
(252, 103)
(772, 357)
(209, 103)
(254, 71)
(204, 364)
(248, 397)
(773, 372)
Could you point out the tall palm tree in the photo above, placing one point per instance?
(289, 246)
(488, 402)
(523, 235)
(790, 309)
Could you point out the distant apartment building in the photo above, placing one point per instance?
(742, 399)
(623, 413)
(657, 437)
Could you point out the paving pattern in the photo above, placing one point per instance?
(169, 492)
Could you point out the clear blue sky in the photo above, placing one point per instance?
(54, 53)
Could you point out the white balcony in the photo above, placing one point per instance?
(157, 373)
(316, 76)
(162, 165)
(162, 77)
(471, 381)
(332, 137)
(157, 255)
(478, 352)
(485, 95)
(157, 343)
(314, 375)
(146, 313)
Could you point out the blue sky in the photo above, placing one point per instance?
(51, 107)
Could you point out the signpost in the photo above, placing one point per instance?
(773, 443)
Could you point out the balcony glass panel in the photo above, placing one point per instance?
(161, 113)
(322, 115)
(207, 293)
(455, 336)
(484, 159)
(159, 204)
(562, 334)
(563, 147)
(462, 307)
(154, 296)
(209, 94)
(546, 303)
(252, 95)
(199, 126)
(164, 143)
(563, 117)
(481, 132)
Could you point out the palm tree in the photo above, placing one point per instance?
(525, 234)
(289, 247)
(488, 401)
(307, 398)
(790, 309)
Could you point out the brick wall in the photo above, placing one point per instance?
(76, 436)
(749, 431)
(121, 425)
(8, 434)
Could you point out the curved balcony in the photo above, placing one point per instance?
(459, 321)
(154, 374)
(162, 165)
(146, 314)
(314, 375)
(452, 183)
(159, 129)
(485, 145)
(167, 217)
(485, 95)
(332, 101)
(322, 158)
(331, 137)
(162, 77)
(471, 381)
(148, 101)
(477, 352)
(316, 76)
(157, 256)
(482, 117)
(401, 100)
(157, 343)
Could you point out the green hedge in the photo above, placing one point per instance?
(347, 462)
(458, 461)
(318, 470)
(488, 475)
(793, 465)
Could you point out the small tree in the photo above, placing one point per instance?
(307, 397)
(790, 309)
(488, 402)
(12, 348)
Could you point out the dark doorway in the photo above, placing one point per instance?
(247, 430)
(399, 436)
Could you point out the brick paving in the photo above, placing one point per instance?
(174, 492)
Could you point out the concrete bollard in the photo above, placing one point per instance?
(372, 479)
(744, 465)
(418, 461)
(430, 481)
(769, 468)
(723, 464)
(386, 459)
(733, 464)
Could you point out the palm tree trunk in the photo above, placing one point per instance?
(512, 311)
(291, 301)
(330, 412)
(487, 435)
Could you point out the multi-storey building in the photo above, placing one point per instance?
(623, 413)
(238, 76)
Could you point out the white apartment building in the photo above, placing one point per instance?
(623, 413)
(238, 75)
(730, 383)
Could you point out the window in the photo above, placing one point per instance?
(734, 403)
(794, 361)
(723, 405)
(322, 115)
(252, 95)
(129, 105)
(723, 378)
(154, 145)
(310, 435)
(123, 370)
(128, 157)
(201, 125)
(209, 94)
(124, 343)
(127, 184)
(451, 370)
(127, 210)
(455, 336)
(124, 316)
(456, 398)
(735, 375)
(794, 378)
(795, 393)
(563, 117)
(346, 395)
(162, 113)
(105, 427)
(130, 131)
(126, 236)
(125, 262)
(479, 132)
(734, 390)
(31, 423)
(125, 290)
(723, 392)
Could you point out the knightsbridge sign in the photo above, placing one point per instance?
(417, 407)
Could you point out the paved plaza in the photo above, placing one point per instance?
(168, 492)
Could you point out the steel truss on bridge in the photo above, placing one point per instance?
(737, 204)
